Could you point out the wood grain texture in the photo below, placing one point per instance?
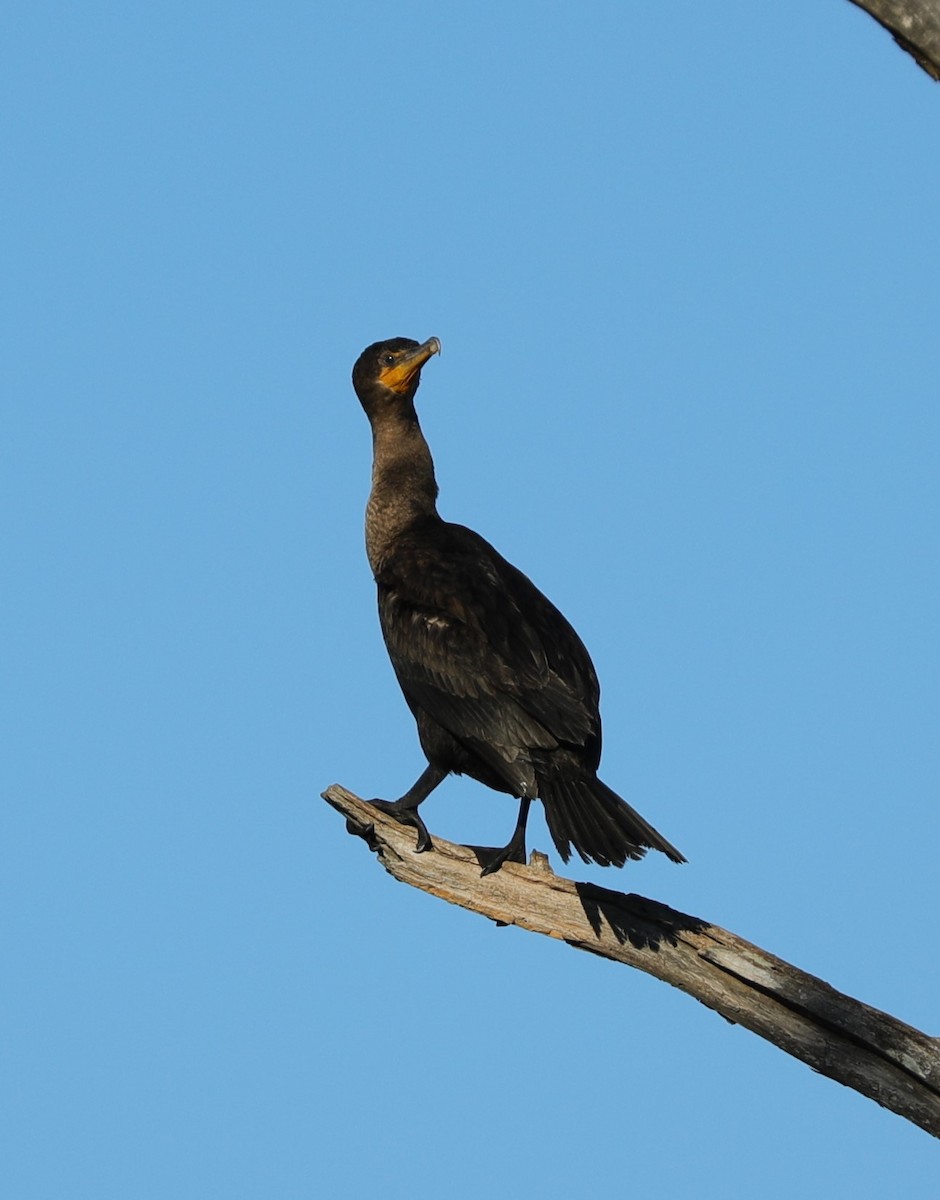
(861, 1047)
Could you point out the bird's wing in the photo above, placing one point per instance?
(477, 646)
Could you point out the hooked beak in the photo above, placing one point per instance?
(400, 375)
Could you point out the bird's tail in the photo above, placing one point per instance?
(583, 812)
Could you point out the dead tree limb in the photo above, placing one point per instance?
(914, 25)
(865, 1049)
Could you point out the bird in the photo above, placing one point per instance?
(500, 685)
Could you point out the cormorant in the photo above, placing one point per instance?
(500, 685)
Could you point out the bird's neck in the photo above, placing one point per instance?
(404, 489)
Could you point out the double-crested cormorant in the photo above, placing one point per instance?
(500, 685)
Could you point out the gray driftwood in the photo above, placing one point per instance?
(865, 1049)
(915, 26)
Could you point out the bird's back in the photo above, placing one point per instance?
(476, 644)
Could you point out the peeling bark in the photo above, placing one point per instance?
(861, 1047)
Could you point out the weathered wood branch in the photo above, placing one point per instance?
(914, 25)
(865, 1049)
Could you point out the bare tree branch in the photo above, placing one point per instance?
(865, 1049)
(915, 26)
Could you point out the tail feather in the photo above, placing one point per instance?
(585, 813)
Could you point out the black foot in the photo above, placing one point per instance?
(514, 852)
(406, 815)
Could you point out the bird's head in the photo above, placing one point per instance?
(387, 374)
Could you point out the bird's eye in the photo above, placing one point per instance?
(388, 359)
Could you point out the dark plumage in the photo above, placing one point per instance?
(499, 683)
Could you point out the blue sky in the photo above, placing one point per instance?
(684, 265)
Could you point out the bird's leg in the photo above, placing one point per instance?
(514, 850)
(405, 808)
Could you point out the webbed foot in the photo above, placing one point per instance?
(407, 814)
(513, 852)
